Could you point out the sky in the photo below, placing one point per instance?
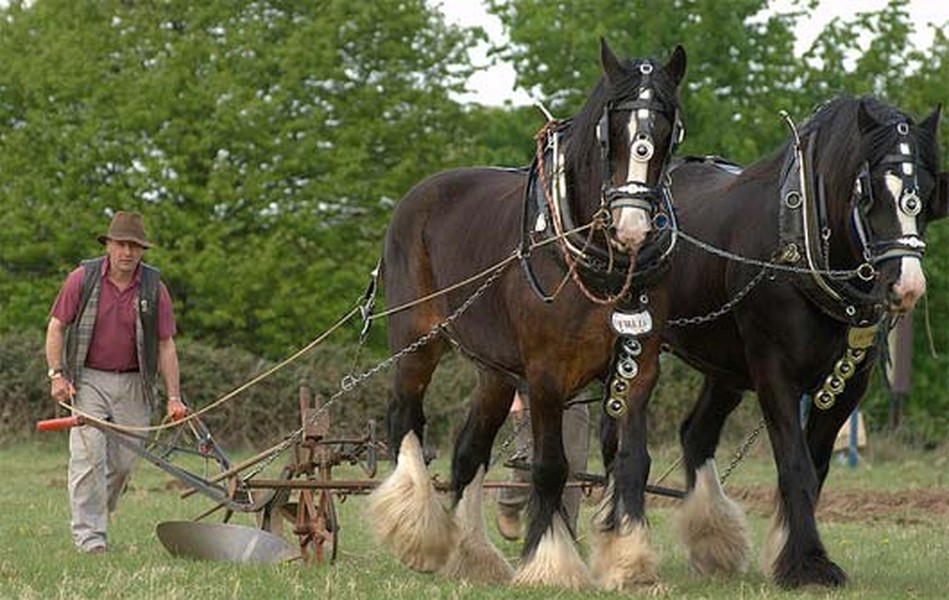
(496, 84)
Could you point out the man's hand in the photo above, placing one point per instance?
(176, 409)
(61, 389)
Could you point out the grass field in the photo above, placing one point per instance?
(892, 545)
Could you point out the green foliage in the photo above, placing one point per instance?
(264, 141)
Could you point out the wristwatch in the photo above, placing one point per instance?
(53, 373)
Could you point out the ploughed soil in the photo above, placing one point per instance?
(847, 505)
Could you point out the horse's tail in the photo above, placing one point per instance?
(368, 304)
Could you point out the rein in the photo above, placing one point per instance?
(599, 222)
(551, 204)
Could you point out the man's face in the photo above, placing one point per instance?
(124, 256)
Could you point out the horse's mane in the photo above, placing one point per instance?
(840, 151)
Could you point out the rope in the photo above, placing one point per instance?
(597, 223)
(196, 414)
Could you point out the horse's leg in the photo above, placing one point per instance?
(475, 558)
(622, 557)
(823, 425)
(405, 512)
(550, 556)
(793, 553)
(712, 526)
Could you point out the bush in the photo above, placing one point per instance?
(263, 414)
(258, 416)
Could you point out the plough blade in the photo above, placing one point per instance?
(224, 542)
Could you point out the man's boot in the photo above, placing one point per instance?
(509, 524)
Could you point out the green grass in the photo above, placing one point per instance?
(886, 558)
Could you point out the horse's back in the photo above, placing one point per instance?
(704, 179)
(451, 225)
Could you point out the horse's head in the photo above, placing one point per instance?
(898, 191)
(638, 129)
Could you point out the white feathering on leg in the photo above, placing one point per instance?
(775, 540)
(475, 558)
(713, 527)
(621, 558)
(407, 516)
(555, 561)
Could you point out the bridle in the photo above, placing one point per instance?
(805, 230)
(548, 200)
(643, 108)
(905, 166)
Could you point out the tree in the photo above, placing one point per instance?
(741, 70)
(265, 142)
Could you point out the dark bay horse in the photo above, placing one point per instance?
(604, 167)
(844, 238)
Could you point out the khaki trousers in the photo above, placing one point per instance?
(576, 445)
(99, 466)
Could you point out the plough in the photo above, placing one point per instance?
(304, 494)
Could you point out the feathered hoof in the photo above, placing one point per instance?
(475, 558)
(713, 527)
(775, 540)
(477, 561)
(623, 559)
(406, 515)
(555, 562)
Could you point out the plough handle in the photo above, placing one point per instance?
(58, 424)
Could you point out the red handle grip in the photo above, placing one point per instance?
(60, 423)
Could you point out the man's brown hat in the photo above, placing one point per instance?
(126, 227)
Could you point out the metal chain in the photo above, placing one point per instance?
(351, 382)
(831, 273)
(742, 451)
(723, 309)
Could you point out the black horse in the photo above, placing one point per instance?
(830, 235)
(601, 173)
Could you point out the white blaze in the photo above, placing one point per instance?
(911, 284)
(632, 224)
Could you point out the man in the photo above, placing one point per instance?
(576, 441)
(111, 331)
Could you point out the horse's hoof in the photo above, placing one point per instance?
(555, 562)
(407, 516)
(815, 571)
(713, 527)
(475, 558)
(623, 559)
(478, 561)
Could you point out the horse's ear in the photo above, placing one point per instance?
(612, 67)
(931, 122)
(938, 206)
(865, 120)
(675, 68)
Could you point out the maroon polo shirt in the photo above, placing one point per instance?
(112, 347)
